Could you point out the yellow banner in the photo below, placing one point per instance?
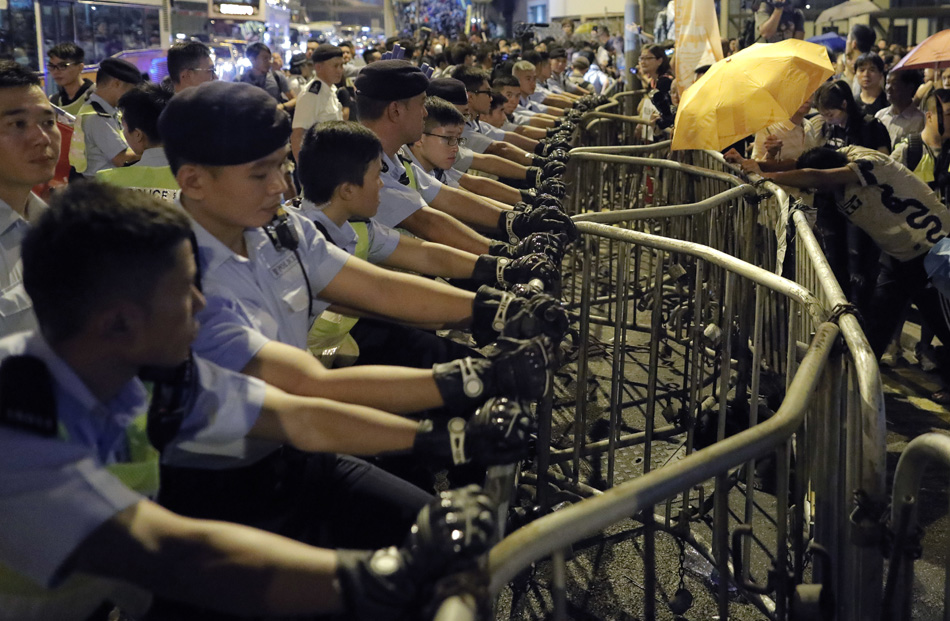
(697, 39)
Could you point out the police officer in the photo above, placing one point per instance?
(318, 101)
(65, 66)
(29, 150)
(97, 141)
(141, 108)
(79, 535)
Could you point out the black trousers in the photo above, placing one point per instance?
(898, 284)
(324, 499)
(392, 344)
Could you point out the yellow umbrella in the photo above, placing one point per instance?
(748, 91)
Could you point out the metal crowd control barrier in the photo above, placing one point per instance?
(693, 384)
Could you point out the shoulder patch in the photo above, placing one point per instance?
(27, 399)
(315, 87)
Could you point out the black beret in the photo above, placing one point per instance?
(449, 89)
(299, 59)
(325, 51)
(120, 70)
(391, 80)
(557, 52)
(222, 124)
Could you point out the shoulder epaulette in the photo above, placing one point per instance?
(27, 398)
(315, 87)
(100, 111)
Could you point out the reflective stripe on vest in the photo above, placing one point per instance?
(925, 167)
(155, 180)
(330, 333)
(77, 146)
(411, 174)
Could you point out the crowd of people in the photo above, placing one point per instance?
(226, 385)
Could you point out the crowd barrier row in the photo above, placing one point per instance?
(739, 375)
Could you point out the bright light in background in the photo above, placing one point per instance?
(180, 36)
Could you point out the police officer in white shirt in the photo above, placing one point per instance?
(317, 102)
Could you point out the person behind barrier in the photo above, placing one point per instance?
(318, 102)
(80, 537)
(920, 152)
(29, 149)
(97, 141)
(140, 110)
(190, 64)
(278, 273)
(436, 151)
(504, 161)
(542, 65)
(558, 82)
(900, 214)
(777, 20)
(65, 65)
(902, 118)
(869, 71)
(391, 96)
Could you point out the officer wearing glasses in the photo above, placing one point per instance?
(65, 66)
(190, 64)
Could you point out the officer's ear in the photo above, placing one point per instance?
(120, 323)
(194, 181)
(393, 111)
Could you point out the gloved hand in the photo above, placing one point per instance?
(496, 313)
(554, 187)
(527, 196)
(394, 584)
(503, 272)
(550, 245)
(543, 148)
(554, 169)
(540, 219)
(501, 439)
(523, 206)
(534, 175)
(520, 369)
(559, 155)
(546, 200)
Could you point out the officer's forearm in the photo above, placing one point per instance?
(500, 167)
(323, 426)
(509, 151)
(523, 142)
(415, 255)
(442, 228)
(490, 188)
(125, 157)
(557, 102)
(226, 567)
(395, 389)
(467, 207)
(531, 132)
(296, 141)
(541, 122)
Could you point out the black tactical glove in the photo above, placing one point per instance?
(519, 369)
(523, 206)
(542, 148)
(501, 249)
(503, 272)
(394, 584)
(533, 176)
(559, 155)
(496, 313)
(554, 187)
(550, 245)
(546, 200)
(553, 169)
(527, 196)
(540, 219)
(501, 439)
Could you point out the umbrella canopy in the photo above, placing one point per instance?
(748, 91)
(847, 10)
(932, 53)
(831, 40)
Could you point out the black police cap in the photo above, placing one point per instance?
(120, 70)
(325, 51)
(449, 89)
(223, 124)
(557, 52)
(391, 80)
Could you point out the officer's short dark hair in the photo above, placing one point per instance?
(502, 81)
(95, 244)
(13, 74)
(68, 51)
(371, 109)
(863, 37)
(348, 44)
(929, 103)
(822, 158)
(471, 77)
(255, 49)
(497, 101)
(368, 54)
(141, 108)
(334, 153)
(185, 55)
(441, 113)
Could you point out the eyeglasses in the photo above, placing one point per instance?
(60, 66)
(212, 71)
(483, 92)
(450, 141)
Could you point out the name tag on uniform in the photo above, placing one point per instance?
(287, 263)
